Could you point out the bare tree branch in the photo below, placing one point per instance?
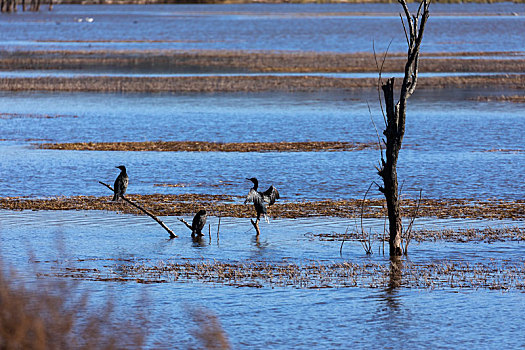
(172, 234)
(404, 29)
(186, 223)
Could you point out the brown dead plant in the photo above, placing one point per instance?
(209, 331)
(54, 315)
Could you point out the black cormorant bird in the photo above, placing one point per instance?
(199, 220)
(260, 199)
(121, 183)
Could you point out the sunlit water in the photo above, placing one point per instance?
(288, 27)
(445, 153)
(280, 317)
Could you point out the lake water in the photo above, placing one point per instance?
(276, 317)
(288, 27)
(448, 134)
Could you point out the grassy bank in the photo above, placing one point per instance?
(241, 83)
(227, 206)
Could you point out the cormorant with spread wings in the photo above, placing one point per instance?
(260, 199)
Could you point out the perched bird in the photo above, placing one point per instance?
(121, 183)
(199, 220)
(260, 199)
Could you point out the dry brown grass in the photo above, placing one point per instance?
(504, 275)
(209, 331)
(186, 84)
(200, 146)
(449, 235)
(244, 62)
(502, 98)
(221, 205)
(53, 316)
(258, 61)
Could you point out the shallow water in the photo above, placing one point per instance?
(278, 317)
(444, 148)
(288, 27)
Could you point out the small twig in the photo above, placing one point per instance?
(218, 228)
(367, 246)
(377, 132)
(380, 79)
(343, 242)
(186, 223)
(384, 234)
(405, 29)
(409, 229)
(172, 234)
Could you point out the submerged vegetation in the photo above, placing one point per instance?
(311, 274)
(449, 235)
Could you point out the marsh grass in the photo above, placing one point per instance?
(208, 330)
(448, 235)
(54, 314)
(242, 83)
(502, 98)
(203, 146)
(51, 314)
(442, 274)
(227, 206)
(255, 61)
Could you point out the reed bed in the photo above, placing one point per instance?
(256, 61)
(502, 98)
(34, 116)
(423, 235)
(314, 274)
(184, 84)
(55, 315)
(229, 206)
(201, 146)
(208, 84)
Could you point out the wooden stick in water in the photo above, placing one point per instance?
(185, 223)
(172, 234)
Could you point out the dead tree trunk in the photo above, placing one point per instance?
(395, 121)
